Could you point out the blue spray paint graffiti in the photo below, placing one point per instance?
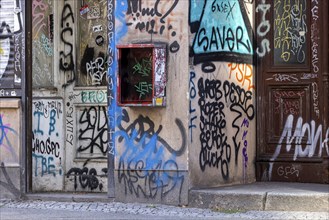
(120, 11)
(222, 31)
(116, 13)
(47, 165)
(47, 136)
(147, 163)
(192, 109)
(145, 167)
(4, 140)
(52, 122)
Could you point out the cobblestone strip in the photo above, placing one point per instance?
(160, 210)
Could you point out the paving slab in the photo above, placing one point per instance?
(258, 196)
(69, 197)
(275, 196)
(10, 210)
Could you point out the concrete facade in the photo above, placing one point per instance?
(84, 141)
(222, 123)
(10, 151)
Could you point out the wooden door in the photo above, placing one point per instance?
(292, 90)
(69, 106)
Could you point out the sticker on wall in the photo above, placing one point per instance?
(94, 12)
(51, 27)
(84, 9)
(159, 101)
(97, 28)
(99, 40)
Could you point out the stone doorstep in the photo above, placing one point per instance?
(263, 196)
(259, 196)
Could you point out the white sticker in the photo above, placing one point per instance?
(97, 28)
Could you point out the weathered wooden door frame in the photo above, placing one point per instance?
(26, 174)
(324, 38)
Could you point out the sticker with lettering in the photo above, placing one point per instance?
(84, 9)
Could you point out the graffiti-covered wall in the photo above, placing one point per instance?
(12, 61)
(10, 148)
(47, 144)
(293, 69)
(145, 100)
(201, 132)
(12, 49)
(69, 112)
(151, 142)
(221, 93)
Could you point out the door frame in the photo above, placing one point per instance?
(26, 159)
(324, 40)
(27, 102)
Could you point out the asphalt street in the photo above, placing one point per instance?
(11, 210)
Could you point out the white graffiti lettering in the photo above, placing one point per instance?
(262, 29)
(294, 140)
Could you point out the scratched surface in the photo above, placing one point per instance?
(10, 148)
(47, 144)
(43, 43)
(10, 135)
(92, 58)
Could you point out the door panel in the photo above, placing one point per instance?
(292, 120)
(69, 96)
(86, 101)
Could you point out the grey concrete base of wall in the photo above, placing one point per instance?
(9, 182)
(70, 197)
(263, 196)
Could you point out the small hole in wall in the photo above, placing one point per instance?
(136, 75)
(142, 75)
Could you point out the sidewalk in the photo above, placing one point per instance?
(258, 196)
(267, 196)
(11, 210)
(260, 200)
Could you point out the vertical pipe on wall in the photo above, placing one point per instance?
(27, 100)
